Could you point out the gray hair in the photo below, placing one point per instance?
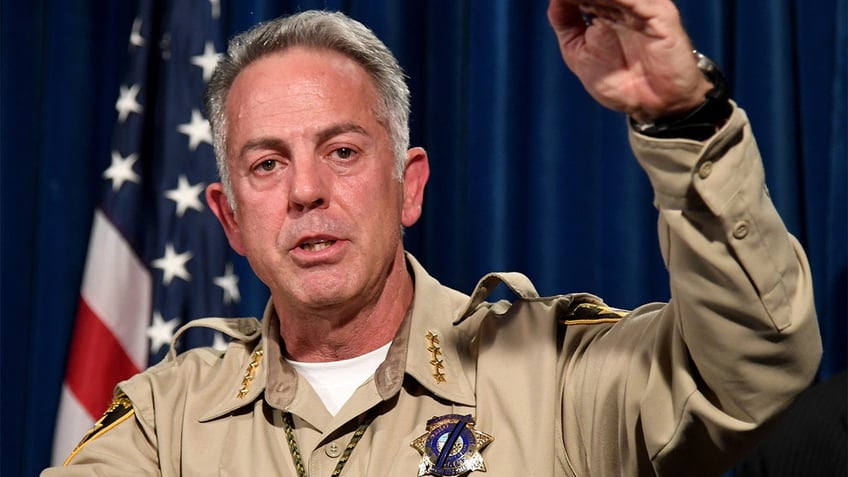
(316, 29)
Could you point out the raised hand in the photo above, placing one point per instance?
(631, 55)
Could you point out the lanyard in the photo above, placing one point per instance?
(288, 426)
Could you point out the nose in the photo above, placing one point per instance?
(308, 186)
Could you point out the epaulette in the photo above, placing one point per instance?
(586, 313)
(240, 329)
(119, 411)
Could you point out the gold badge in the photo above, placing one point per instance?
(451, 446)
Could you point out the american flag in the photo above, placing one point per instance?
(157, 256)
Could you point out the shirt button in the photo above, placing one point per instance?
(705, 170)
(740, 230)
(332, 450)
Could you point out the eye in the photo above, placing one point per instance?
(344, 153)
(267, 165)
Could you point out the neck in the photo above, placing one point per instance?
(337, 334)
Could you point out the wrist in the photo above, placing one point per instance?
(701, 122)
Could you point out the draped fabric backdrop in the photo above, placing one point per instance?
(528, 173)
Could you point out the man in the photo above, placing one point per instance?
(366, 366)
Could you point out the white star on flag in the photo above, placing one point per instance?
(173, 264)
(186, 196)
(161, 332)
(197, 130)
(207, 61)
(229, 283)
(127, 102)
(135, 35)
(216, 8)
(121, 170)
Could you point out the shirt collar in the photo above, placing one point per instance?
(428, 347)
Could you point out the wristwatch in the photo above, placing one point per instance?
(702, 122)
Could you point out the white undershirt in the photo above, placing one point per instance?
(336, 381)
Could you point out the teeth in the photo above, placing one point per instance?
(316, 246)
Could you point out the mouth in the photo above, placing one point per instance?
(316, 245)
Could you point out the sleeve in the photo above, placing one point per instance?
(117, 444)
(685, 388)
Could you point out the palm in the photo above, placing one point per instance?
(632, 58)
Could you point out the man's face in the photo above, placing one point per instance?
(318, 207)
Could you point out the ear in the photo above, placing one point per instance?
(217, 200)
(415, 176)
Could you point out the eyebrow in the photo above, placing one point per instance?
(321, 137)
(263, 143)
(338, 129)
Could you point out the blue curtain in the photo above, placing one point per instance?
(528, 173)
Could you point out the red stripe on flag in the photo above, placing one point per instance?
(97, 362)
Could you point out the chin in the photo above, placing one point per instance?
(325, 293)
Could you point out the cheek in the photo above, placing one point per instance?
(379, 200)
(389, 219)
(259, 216)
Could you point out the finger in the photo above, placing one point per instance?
(643, 9)
(569, 24)
(656, 18)
(565, 15)
(601, 11)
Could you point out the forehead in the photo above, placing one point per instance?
(302, 77)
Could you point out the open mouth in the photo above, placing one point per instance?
(317, 245)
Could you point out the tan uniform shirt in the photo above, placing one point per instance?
(671, 389)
